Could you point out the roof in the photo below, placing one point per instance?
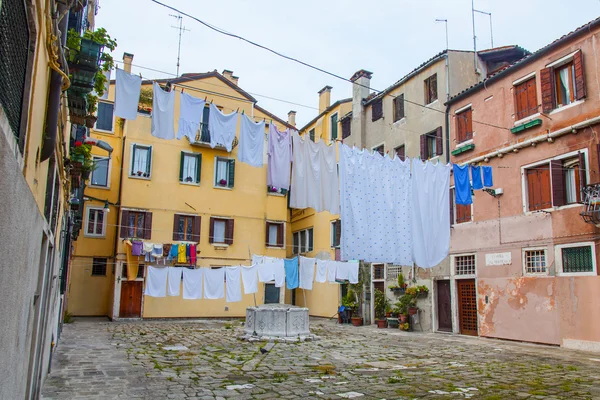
(526, 60)
(331, 107)
(273, 116)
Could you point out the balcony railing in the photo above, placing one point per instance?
(591, 202)
(203, 138)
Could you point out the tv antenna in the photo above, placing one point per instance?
(181, 29)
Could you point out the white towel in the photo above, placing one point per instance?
(353, 271)
(321, 275)
(306, 271)
(250, 279)
(331, 271)
(343, 271)
(279, 269)
(214, 283)
(192, 283)
(156, 282)
(233, 287)
(221, 127)
(175, 274)
(266, 271)
(252, 141)
(163, 113)
(191, 110)
(257, 259)
(127, 96)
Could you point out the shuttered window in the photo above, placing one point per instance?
(311, 134)
(432, 144)
(336, 232)
(563, 84)
(224, 172)
(346, 127)
(464, 125)
(401, 152)
(105, 116)
(525, 99)
(303, 241)
(539, 194)
(431, 93)
(274, 234)
(379, 149)
(190, 166)
(136, 224)
(459, 213)
(334, 126)
(186, 227)
(399, 107)
(377, 110)
(221, 231)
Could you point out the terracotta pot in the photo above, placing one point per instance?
(381, 323)
(90, 121)
(412, 311)
(357, 321)
(388, 314)
(403, 318)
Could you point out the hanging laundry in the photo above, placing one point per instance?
(214, 283)
(257, 259)
(299, 190)
(127, 96)
(291, 272)
(331, 271)
(188, 254)
(375, 207)
(233, 285)
(147, 252)
(174, 253)
(137, 246)
(250, 279)
(252, 141)
(181, 254)
(266, 272)
(279, 270)
(193, 257)
(163, 113)
(330, 187)
(166, 249)
(192, 283)
(431, 214)
(353, 271)
(488, 180)
(174, 282)
(157, 250)
(306, 273)
(132, 261)
(222, 127)
(156, 282)
(462, 186)
(280, 158)
(321, 275)
(191, 110)
(476, 177)
(342, 271)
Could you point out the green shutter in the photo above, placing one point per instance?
(198, 167)
(334, 127)
(149, 161)
(231, 171)
(133, 158)
(181, 167)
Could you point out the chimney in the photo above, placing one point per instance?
(127, 60)
(324, 98)
(361, 84)
(229, 75)
(292, 118)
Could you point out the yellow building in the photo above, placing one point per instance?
(318, 234)
(149, 196)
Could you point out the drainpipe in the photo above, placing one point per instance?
(447, 133)
(54, 92)
(118, 204)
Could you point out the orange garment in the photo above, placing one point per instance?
(133, 262)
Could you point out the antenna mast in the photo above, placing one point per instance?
(181, 29)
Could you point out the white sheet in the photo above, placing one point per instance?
(233, 287)
(156, 282)
(163, 113)
(175, 274)
(353, 271)
(252, 141)
(214, 283)
(222, 127)
(191, 110)
(192, 283)
(330, 186)
(331, 271)
(280, 158)
(321, 275)
(279, 270)
(342, 271)
(266, 271)
(127, 94)
(250, 279)
(306, 272)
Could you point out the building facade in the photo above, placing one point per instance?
(524, 254)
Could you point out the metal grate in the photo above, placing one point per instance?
(535, 261)
(464, 265)
(577, 259)
(393, 271)
(99, 267)
(14, 45)
(378, 271)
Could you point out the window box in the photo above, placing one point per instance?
(463, 149)
(525, 126)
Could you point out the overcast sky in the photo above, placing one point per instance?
(387, 37)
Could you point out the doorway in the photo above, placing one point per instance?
(377, 286)
(271, 294)
(131, 299)
(444, 306)
(467, 306)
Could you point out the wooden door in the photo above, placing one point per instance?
(131, 299)
(444, 306)
(467, 306)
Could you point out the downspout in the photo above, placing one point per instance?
(447, 99)
(118, 204)
(55, 91)
(447, 133)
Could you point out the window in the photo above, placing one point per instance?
(525, 99)
(459, 213)
(96, 222)
(221, 231)
(189, 167)
(224, 172)
(534, 261)
(392, 272)
(141, 161)
(336, 232)
(432, 144)
(186, 227)
(136, 224)
(204, 132)
(311, 134)
(303, 241)
(399, 107)
(464, 265)
(100, 172)
(346, 127)
(140, 273)
(99, 267)
(274, 234)
(105, 116)
(464, 125)
(576, 259)
(379, 149)
(378, 271)
(334, 127)
(377, 110)
(555, 183)
(563, 82)
(401, 152)
(431, 93)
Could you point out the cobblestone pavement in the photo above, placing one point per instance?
(205, 360)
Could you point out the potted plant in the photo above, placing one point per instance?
(222, 182)
(92, 107)
(145, 102)
(358, 290)
(406, 302)
(422, 291)
(381, 303)
(81, 158)
(404, 326)
(388, 311)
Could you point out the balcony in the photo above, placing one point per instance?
(591, 203)
(203, 138)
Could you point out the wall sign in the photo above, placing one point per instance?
(498, 259)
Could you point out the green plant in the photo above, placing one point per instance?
(68, 318)
(83, 153)
(401, 282)
(406, 301)
(364, 277)
(422, 289)
(349, 300)
(381, 303)
(405, 326)
(92, 103)
(412, 291)
(146, 97)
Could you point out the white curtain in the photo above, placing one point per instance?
(222, 170)
(189, 167)
(570, 185)
(564, 83)
(140, 160)
(273, 235)
(219, 232)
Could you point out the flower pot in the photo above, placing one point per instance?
(77, 160)
(381, 323)
(357, 321)
(422, 294)
(90, 121)
(85, 175)
(403, 318)
(77, 119)
(412, 310)
(388, 314)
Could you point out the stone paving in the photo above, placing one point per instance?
(206, 360)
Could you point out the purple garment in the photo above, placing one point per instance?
(280, 158)
(136, 248)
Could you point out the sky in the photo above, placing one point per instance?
(386, 37)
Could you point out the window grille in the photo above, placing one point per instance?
(535, 261)
(393, 271)
(577, 259)
(379, 271)
(464, 265)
